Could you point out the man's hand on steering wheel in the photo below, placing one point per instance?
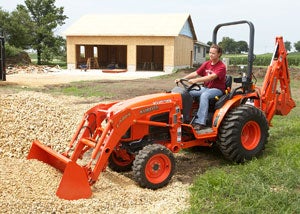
(188, 84)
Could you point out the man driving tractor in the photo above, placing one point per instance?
(212, 75)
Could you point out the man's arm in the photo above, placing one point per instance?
(189, 76)
(204, 79)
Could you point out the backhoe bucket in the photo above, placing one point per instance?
(74, 183)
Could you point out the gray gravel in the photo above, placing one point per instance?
(29, 186)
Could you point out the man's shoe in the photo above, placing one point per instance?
(198, 126)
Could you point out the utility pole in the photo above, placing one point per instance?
(2, 60)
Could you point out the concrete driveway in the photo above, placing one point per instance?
(67, 76)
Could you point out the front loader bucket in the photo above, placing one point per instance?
(45, 154)
(74, 183)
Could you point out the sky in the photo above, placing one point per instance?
(271, 18)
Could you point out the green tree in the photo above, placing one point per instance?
(228, 45)
(55, 47)
(297, 46)
(19, 28)
(287, 45)
(209, 43)
(241, 46)
(3, 21)
(46, 17)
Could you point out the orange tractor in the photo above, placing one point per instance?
(142, 133)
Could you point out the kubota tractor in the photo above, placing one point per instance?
(142, 133)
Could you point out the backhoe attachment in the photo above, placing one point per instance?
(276, 99)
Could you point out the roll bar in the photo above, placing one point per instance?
(251, 56)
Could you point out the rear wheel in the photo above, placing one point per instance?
(243, 133)
(153, 166)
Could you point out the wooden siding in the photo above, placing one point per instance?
(183, 51)
(177, 50)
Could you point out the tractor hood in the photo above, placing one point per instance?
(147, 103)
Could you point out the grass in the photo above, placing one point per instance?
(81, 89)
(270, 184)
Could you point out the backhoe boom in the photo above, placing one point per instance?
(274, 99)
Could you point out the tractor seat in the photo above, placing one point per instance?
(228, 82)
(218, 102)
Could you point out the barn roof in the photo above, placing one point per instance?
(133, 25)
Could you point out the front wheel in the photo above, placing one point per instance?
(153, 166)
(243, 133)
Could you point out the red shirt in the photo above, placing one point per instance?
(219, 69)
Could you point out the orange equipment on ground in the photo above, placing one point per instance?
(141, 134)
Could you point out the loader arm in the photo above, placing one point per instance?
(124, 115)
(100, 131)
(276, 100)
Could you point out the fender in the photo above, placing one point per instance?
(233, 102)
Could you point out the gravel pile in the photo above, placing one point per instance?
(29, 186)
(29, 69)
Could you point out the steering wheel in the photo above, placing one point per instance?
(188, 86)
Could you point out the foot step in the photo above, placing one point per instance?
(205, 130)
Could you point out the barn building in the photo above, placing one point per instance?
(133, 42)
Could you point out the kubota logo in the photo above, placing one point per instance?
(149, 109)
(124, 117)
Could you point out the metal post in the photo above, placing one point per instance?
(2, 60)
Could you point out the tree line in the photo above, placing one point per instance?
(32, 26)
(230, 46)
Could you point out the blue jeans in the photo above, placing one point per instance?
(205, 94)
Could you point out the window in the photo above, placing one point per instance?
(82, 51)
(204, 51)
(95, 52)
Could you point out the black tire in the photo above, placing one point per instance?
(243, 133)
(153, 166)
(119, 164)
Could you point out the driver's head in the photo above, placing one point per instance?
(215, 52)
